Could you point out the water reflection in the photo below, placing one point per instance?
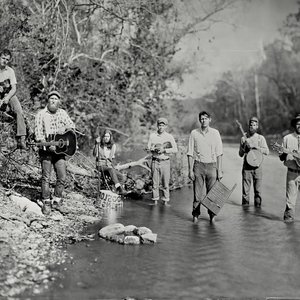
(245, 252)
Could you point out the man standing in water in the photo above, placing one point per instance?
(205, 152)
(161, 144)
(252, 144)
(291, 148)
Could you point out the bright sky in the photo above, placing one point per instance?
(226, 46)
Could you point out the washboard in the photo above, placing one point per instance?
(217, 196)
(108, 199)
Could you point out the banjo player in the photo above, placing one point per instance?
(253, 147)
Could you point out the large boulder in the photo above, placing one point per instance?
(26, 205)
(149, 238)
(131, 240)
(129, 229)
(118, 238)
(128, 235)
(142, 230)
(110, 230)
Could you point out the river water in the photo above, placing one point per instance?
(242, 254)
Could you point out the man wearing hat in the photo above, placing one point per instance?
(291, 143)
(161, 144)
(205, 153)
(252, 172)
(48, 122)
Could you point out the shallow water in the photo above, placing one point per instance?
(244, 253)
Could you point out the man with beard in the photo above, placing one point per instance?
(291, 146)
(49, 121)
(252, 140)
(8, 99)
(205, 151)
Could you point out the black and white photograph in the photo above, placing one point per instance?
(149, 149)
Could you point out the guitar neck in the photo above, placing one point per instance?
(241, 128)
(52, 143)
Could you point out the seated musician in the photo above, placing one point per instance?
(253, 140)
(49, 121)
(8, 99)
(104, 151)
(160, 165)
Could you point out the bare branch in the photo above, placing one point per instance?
(114, 129)
(76, 29)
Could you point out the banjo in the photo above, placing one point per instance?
(254, 157)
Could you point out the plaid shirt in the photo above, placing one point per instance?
(47, 123)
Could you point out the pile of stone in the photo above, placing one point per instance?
(128, 235)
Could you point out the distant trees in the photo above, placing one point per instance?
(270, 89)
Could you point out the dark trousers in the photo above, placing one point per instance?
(48, 159)
(205, 177)
(110, 171)
(248, 175)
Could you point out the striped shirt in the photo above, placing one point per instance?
(47, 123)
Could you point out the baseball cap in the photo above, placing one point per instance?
(253, 119)
(56, 93)
(162, 120)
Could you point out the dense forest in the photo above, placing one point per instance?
(110, 59)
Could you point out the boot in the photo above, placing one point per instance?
(120, 190)
(56, 202)
(46, 209)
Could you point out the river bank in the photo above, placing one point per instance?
(30, 243)
(33, 246)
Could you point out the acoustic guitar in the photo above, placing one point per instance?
(156, 148)
(280, 149)
(65, 143)
(254, 157)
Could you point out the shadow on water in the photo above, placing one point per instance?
(241, 254)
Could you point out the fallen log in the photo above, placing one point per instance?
(90, 172)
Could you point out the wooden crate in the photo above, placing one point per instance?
(217, 196)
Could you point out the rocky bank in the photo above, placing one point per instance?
(30, 243)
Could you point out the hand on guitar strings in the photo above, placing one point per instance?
(52, 148)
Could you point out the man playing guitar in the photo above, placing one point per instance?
(49, 121)
(8, 99)
(252, 140)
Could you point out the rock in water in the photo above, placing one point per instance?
(142, 230)
(149, 238)
(112, 229)
(131, 240)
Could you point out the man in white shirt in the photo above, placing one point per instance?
(8, 99)
(161, 144)
(205, 152)
(291, 146)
